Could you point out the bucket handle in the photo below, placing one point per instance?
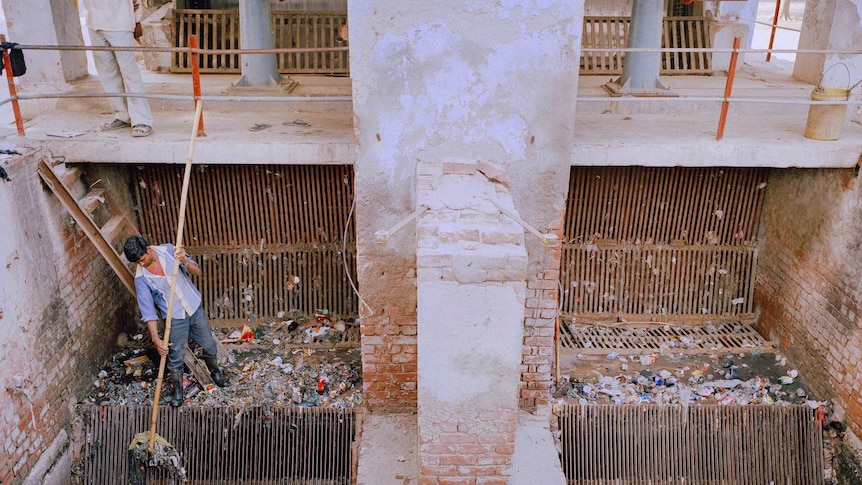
(820, 88)
(850, 88)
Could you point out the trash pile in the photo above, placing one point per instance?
(714, 379)
(322, 329)
(265, 367)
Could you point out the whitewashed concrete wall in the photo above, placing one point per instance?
(475, 79)
(45, 22)
(830, 24)
(611, 8)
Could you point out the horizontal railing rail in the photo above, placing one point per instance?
(726, 100)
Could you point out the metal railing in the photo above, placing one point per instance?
(195, 52)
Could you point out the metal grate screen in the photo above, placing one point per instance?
(678, 32)
(639, 338)
(222, 445)
(269, 238)
(220, 29)
(733, 445)
(661, 241)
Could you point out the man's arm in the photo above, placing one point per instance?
(161, 346)
(148, 314)
(139, 13)
(185, 260)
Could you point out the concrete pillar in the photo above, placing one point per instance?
(641, 69)
(439, 80)
(733, 19)
(46, 22)
(255, 29)
(471, 272)
(830, 24)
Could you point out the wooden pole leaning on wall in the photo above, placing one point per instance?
(728, 88)
(196, 78)
(13, 93)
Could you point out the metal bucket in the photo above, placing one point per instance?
(826, 120)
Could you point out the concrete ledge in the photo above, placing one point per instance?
(536, 459)
(388, 450)
(689, 141)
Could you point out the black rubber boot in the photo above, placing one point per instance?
(215, 372)
(177, 381)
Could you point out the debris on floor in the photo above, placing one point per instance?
(728, 378)
(280, 364)
(164, 457)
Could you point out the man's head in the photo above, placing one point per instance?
(135, 248)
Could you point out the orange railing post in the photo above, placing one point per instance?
(13, 93)
(772, 34)
(196, 78)
(728, 87)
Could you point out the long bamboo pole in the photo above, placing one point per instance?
(175, 272)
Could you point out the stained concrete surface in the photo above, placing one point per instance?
(536, 459)
(388, 451)
(608, 130)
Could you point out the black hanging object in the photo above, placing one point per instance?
(16, 57)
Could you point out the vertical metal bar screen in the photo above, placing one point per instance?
(733, 445)
(269, 238)
(224, 445)
(661, 241)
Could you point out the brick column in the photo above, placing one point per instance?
(471, 271)
(540, 313)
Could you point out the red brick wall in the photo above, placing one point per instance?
(543, 300)
(389, 362)
(808, 280)
(478, 453)
(69, 307)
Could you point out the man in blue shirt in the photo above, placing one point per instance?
(152, 284)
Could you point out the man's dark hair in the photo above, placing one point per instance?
(135, 248)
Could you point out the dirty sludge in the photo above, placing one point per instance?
(668, 378)
(278, 364)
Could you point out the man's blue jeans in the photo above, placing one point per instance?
(195, 327)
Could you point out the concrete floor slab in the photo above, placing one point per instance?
(536, 459)
(612, 131)
(388, 453)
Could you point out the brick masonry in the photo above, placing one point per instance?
(540, 318)
(60, 304)
(471, 268)
(808, 284)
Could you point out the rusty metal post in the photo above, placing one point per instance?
(772, 34)
(13, 93)
(196, 78)
(728, 87)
